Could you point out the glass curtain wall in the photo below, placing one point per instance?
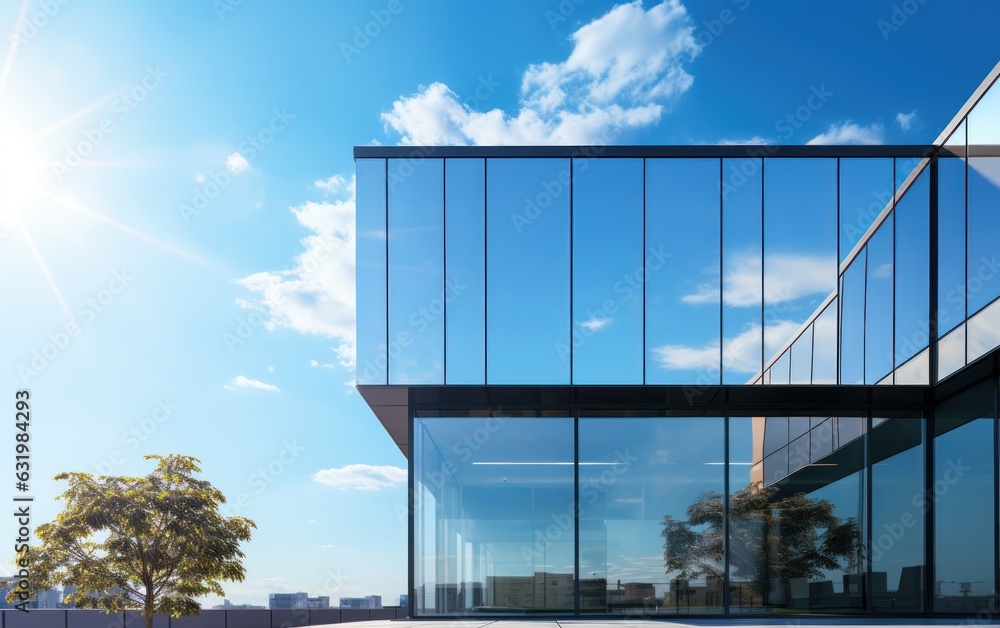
(542, 271)
(652, 515)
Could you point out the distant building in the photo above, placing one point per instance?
(50, 599)
(323, 601)
(639, 591)
(227, 605)
(370, 601)
(287, 600)
(67, 591)
(404, 600)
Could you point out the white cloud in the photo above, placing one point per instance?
(327, 365)
(906, 120)
(849, 133)
(741, 353)
(237, 163)
(883, 271)
(682, 358)
(362, 477)
(316, 296)
(756, 139)
(334, 185)
(789, 277)
(596, 323)
(241, 381)
(623, 67)
(628, 500)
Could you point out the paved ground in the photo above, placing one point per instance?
(672, 623)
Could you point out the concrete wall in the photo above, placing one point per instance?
(76, 618)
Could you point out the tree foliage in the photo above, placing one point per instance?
(770, 539)
(153, 543)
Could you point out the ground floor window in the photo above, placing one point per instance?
(644, 515)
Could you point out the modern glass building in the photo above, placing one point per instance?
(690, 379)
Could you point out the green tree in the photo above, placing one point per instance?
(153, 543)
(770, 539)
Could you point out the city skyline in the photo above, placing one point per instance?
(177, 208)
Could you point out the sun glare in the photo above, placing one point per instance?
(20, 173)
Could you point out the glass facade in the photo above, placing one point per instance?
(690, 380)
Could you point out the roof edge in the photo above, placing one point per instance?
(652, 151)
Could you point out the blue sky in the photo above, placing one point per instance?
(176, 227)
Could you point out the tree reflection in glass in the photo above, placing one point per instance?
(773, 542)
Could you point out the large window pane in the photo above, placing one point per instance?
(608, 271)
(983, 331)
(745, 584)
(682, 297)
(796, 530)
(494, 525)
(913, 270)
(780, 369)
(824, 369)
(984, 119)
(651, 518)
(528, 278)
(984, 225)
(839, 519)
(964, 494)
(775, 433)
(742, 265)
(904, 167)
(852, 321)
(372, 360)
(800, 264)
(878, 304)
(465, 288)
(951, 235)
(897, 553)
(951, 352)
(801, 358)
(865, 190)
(416, 271)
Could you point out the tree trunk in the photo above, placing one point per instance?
(148, 607)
